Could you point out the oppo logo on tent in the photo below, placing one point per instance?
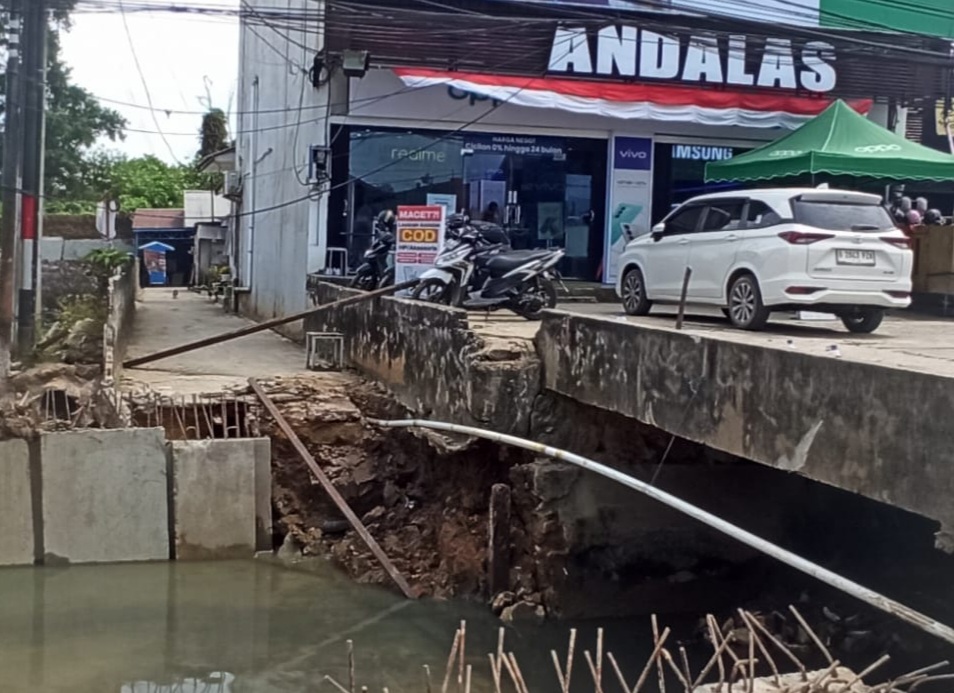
(627, 51)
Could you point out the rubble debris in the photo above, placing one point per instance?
(425, 499)
(56, 397)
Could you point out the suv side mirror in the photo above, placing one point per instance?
(659, 230)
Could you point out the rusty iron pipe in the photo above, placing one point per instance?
(267, 325)
(843, 584)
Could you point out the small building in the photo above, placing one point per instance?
(167, 226)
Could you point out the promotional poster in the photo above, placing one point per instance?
(630, 198)
(420, 233)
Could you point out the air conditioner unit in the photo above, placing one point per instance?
(233, 185)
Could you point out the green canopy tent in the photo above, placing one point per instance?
(838, 142)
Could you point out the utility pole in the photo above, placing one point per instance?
(10, 183)
(34, 126)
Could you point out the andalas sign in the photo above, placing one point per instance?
(732, 61)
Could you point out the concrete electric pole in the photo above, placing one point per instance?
(33, 128)
(10, 183)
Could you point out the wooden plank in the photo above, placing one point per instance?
(498, 561)
(332, 492)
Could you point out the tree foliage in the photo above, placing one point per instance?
(214, 134)
(138, 182)
(75, 120)
(78, 175)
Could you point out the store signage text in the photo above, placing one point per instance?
(401, 154)
(736, 61)
(515, 144)
(461, 95)
(699, 153)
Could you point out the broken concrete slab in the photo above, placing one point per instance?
(16, 504)
(218, 490)
(105, 496)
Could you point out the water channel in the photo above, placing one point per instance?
(232, 627)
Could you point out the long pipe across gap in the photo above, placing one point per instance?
(267, 325)
(816, 571)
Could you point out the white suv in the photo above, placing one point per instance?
(757, 251)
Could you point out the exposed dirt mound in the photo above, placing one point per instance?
(425, 500)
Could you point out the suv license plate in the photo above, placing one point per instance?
(855, 257)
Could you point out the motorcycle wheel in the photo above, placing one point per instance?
(432, 291)
(387, 279)
(363, 281)
(545, 290)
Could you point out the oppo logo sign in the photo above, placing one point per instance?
(878, 148)
(786, 152)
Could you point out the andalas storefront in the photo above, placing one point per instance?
(581, 136)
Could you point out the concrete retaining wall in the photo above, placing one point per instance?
(16, 504)
(221, 508)
(54, 249)
(878, 432)
(96, 496)
(428, 356)
(105, 496)
(119, 320)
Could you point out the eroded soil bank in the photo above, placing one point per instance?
(582, 547)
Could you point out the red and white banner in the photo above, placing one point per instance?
(647, 101)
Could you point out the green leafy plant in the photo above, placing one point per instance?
(103, 263)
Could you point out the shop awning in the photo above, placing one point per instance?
(838, 142)
(705, 106)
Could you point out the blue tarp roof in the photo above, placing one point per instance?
(156, 245)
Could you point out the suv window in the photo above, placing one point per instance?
(724, 215)
(686, 220)
(842, 216)
(761, 215)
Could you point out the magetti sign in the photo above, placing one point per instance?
(626, 51)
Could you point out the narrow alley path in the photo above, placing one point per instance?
(163, 321)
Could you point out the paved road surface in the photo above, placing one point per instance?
(163, 321)
(904, 341)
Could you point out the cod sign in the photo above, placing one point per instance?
(420, 233)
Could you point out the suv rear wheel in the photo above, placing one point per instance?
(863, 320)
(746, 310)
(634, 293)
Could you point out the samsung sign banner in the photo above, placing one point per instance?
(701, 153)
(627, 51)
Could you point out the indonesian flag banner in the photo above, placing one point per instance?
(635, 101)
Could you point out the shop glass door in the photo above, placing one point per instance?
(546, 192)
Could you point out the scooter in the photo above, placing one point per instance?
(377, 267)
(469, 273)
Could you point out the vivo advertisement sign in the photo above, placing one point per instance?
(633, 154)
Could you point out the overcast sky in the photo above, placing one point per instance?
(182, 58)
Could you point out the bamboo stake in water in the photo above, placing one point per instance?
(450, 661)
(351, 676)
(659, 665)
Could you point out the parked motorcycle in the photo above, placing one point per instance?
(471, 273)
(377, 267)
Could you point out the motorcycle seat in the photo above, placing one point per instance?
(511, 260)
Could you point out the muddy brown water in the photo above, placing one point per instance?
(231, 627)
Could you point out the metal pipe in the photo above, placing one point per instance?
(878, 601)
(267, 325)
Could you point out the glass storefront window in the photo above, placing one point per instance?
(679, 173)
(546, 191)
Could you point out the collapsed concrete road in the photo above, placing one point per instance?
(859, 426)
